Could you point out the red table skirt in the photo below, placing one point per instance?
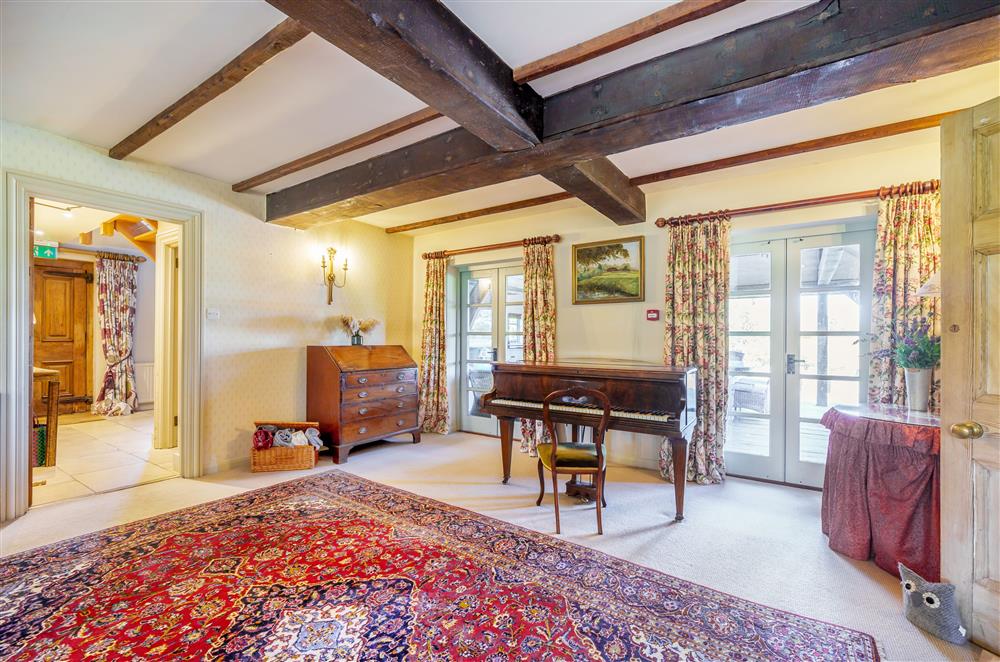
(881, 493)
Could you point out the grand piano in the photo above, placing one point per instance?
(645, 398)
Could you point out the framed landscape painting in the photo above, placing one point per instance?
(609, 271)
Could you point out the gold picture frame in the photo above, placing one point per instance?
(605, 271)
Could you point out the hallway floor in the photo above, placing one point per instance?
(101, 456)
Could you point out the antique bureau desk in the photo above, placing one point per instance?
(361, 393)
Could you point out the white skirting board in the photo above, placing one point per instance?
(144, 380)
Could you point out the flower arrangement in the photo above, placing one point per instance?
(357, 326)
(915, 346)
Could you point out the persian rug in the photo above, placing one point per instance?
(336, 567)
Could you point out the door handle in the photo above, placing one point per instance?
(790, 362)
(967, 430)
(494, 353)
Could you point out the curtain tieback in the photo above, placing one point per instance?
(121, 360)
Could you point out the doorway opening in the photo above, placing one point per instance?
(799, 309)
(16, 339)
(96, 294)
(491, 328)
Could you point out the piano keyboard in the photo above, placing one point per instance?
(584, 409)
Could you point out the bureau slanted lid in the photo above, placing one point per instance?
(357, 358)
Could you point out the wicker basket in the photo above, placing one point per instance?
(283, 458)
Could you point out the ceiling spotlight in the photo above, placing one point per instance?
(68, 214)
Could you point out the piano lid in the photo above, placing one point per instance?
(596, 367)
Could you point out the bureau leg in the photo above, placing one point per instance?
(506, 445)
(340, 454)
(416, 436)
(679, 450)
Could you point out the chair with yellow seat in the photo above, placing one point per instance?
(575, 458)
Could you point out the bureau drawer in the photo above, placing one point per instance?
(356, 411)
(377, 428)
(378, 392)
(378, 377)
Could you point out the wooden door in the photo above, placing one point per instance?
(970, 366)
(62, 330)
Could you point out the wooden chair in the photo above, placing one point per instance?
(576, 459)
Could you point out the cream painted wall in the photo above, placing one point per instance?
(263, 279)
(620, 330)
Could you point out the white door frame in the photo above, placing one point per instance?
(15, 336)
(165, 341)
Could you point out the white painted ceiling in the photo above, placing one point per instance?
(53, 225)
(94, 71)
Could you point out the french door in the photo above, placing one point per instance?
(798, 310)
(492, 329)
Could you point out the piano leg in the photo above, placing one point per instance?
(679, 451)
(506, 445)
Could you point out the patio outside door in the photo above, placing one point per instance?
(492, 329)
(797, 309)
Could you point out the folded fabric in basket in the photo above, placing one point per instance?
(263, 439)
(312, 434)
(299, 438)
(283, 438)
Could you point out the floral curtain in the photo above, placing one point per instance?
(697, 334)
(907, 253)
(433, 362)
(539, 320)
(117, 279)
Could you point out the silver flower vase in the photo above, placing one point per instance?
(918, 388)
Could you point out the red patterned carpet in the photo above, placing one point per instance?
(336, 567)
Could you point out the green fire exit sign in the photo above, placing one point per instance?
(47, 249)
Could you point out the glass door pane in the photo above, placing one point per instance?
(829, 303)
(479, 315)
(492, 329)
(754, 439)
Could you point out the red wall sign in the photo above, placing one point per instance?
(652, 315)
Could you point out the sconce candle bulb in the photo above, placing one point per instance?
(328, 273)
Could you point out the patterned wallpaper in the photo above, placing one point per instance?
(264, 280)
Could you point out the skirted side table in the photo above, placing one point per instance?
(881, 492)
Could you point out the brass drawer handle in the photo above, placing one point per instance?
(399, 423)
(401, 376)
(400, 389)
(362, 380)
(363, 394)
(399, 405)
(362, 430)
(363, 411)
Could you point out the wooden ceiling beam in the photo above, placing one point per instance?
(426, 50)
(643, 28)
(370, 137)
(283, 35)
(838, 140)
(814, 36)
(600, 184)
(476, 213)
(456, 161)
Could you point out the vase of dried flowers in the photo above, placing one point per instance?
(917, 351)
(356, 327)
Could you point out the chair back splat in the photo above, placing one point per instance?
(576, 459)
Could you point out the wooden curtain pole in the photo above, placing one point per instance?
(97, 252)
(547, 239)
(916, 187)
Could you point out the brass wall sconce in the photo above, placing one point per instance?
(329, 276)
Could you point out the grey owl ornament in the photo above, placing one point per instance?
(931, 606)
